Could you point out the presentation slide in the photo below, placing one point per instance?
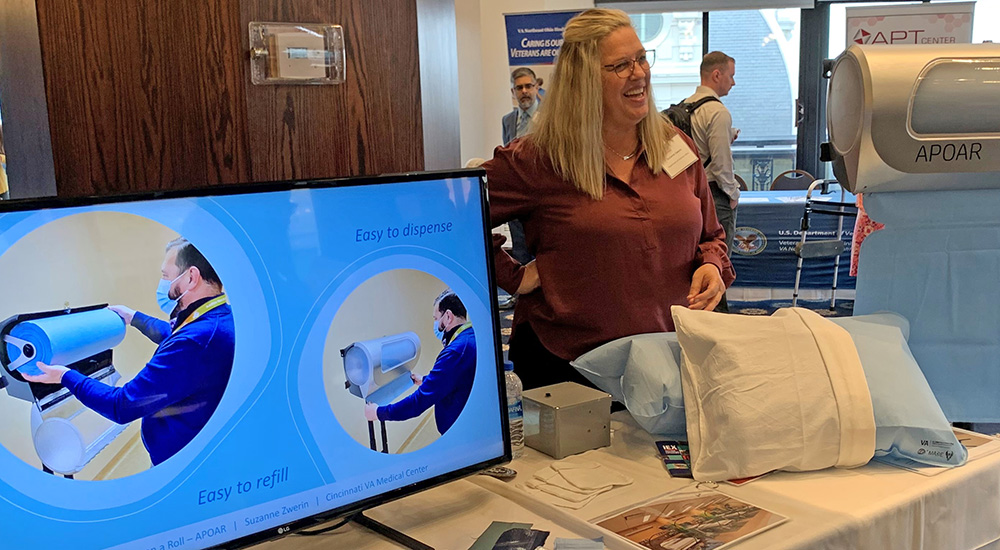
(184, 372)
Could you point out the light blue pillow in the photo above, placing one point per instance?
(909, 422)
(643, 373)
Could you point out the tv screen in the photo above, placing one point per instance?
(223, 366)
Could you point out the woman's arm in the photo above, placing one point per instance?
(511, 197)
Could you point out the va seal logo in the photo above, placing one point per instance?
(749, 241)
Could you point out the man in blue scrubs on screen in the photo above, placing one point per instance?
(180, 387)
(448, 385)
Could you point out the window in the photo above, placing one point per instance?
(674, 75)
(648, 26)
(765, 44)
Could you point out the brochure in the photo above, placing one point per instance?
(689, 519)
(676, 457)
(979, 445)
(744, 480)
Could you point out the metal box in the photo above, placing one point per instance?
(567, 418)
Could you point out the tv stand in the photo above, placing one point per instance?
(388, 532)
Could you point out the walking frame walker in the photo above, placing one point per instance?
(827, 248)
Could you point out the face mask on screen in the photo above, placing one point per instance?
(438, 331)
(163, 295)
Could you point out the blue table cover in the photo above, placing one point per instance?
(767, 230)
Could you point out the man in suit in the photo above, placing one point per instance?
(524, 88)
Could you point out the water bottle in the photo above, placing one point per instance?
(515, 412)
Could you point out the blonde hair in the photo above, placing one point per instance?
(570, 119)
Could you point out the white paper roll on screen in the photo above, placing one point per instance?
(67, 445)
(66, 339)
(371, 364)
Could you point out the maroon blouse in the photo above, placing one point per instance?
(608, 268)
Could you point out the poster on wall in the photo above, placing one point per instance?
(533, 40)
(949, 23)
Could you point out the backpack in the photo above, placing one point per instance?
(680, 115)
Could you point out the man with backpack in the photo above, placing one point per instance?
(711, 126)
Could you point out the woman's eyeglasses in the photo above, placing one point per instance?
(626, 67)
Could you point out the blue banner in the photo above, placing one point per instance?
(534, 38)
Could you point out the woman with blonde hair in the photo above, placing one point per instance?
(615, 206)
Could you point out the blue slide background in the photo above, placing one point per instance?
(289, 259)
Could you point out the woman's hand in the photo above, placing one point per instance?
(707, 288)
(530, 281)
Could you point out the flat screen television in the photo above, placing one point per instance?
(272, 320)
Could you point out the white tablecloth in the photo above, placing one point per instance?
(449, 517)
(876, 506)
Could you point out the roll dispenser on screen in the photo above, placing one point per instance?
(66, 435)
(379, 370)
(916, 128)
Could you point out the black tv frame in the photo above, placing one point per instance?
(18, 205)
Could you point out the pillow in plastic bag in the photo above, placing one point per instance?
(643, 373)
(909, 422)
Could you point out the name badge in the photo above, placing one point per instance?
(679, 157)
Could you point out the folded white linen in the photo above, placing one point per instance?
(589, 475)
(562, 497)
(573, 483)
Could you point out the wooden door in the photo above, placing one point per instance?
(156, 94)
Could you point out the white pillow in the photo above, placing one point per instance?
(785, 392)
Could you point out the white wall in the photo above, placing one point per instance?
(483, 69)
